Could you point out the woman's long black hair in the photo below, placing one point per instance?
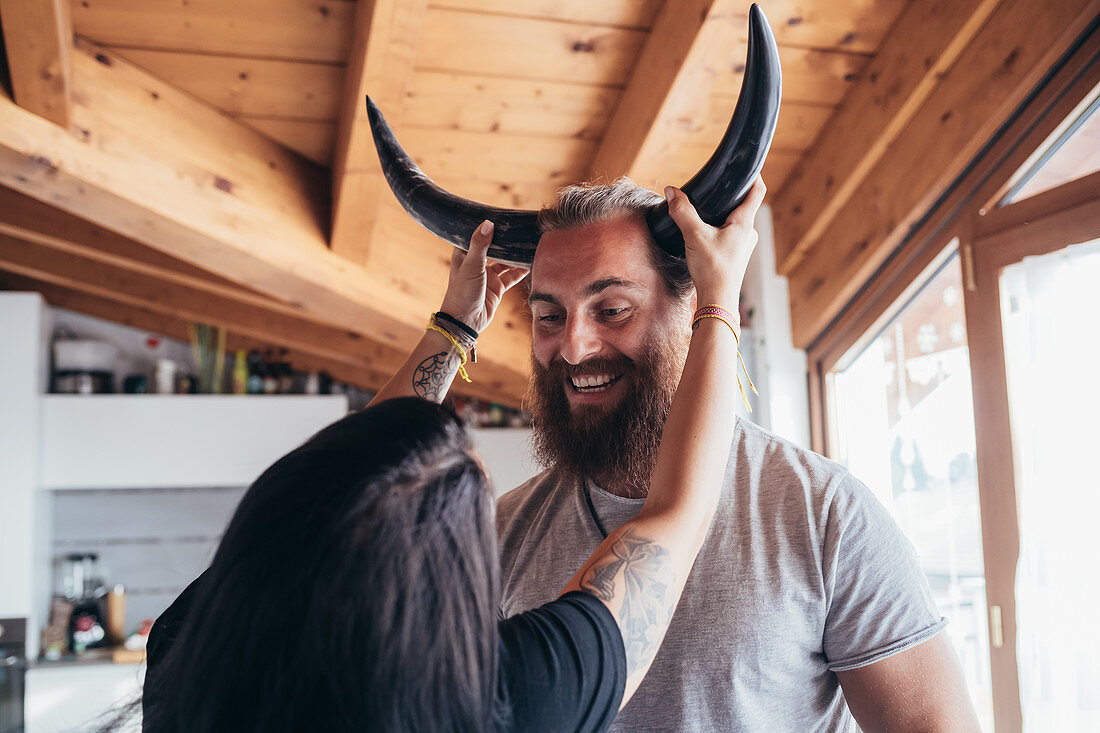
(356, 588)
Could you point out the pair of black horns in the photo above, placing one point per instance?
(716, 190)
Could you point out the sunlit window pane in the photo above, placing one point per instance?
(904, 423)
(1049, 307)
(1074, 154)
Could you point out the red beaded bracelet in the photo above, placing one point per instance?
(716, 311)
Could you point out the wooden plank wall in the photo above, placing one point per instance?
(527, 87)
(505, 100)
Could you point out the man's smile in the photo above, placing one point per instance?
(594, 382)
(593, 388)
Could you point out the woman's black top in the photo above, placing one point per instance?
(562, 665)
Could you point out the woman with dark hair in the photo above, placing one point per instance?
(357, 585)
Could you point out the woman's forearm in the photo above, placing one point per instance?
(695, 441)
(427, 373)
(474, 291)
(640, 570)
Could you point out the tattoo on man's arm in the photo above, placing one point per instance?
(431, 376)
(647, 598)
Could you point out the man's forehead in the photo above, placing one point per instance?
(580, 258)
(590, 289)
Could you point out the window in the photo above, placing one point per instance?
(903, 422)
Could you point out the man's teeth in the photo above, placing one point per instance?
(589, 382)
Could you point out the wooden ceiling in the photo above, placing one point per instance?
(172, 160)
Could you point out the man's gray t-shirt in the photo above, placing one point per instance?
(802, 574)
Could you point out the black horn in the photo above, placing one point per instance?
(716, 190)
(445, 215)
(725, 179)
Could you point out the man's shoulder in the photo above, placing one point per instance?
(780, 459)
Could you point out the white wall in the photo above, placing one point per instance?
(78, 697)
(506, 453)
(24, 329)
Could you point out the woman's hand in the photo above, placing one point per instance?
(476, 286)
(717, 256)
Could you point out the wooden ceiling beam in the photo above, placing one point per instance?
(1003, 63)
(38, 36)
(923, 45)
(670, 82)
(133, 287)
(294, 30)
(156, 166)
(33, 221)
(380, 64)
(176, 328)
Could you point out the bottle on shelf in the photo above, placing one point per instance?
(255, 373)
(240, 373)
(271, 377)
(286, 373)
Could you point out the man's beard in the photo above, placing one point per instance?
(616, 446)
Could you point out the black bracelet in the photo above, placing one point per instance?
(457, 323)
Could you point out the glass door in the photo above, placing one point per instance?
(902, 420)
(1049, 304)
(1034, 290)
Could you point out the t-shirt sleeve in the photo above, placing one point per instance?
(563, 666)
(879, 602)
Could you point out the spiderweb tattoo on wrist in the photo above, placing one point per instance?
(647, 598)
(432, 375)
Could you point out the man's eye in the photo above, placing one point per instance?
(550, 318)
(612, 312)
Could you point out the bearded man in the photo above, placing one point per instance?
(806, 602)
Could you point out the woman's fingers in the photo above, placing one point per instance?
(503, 278)
(479, 245)
(513, 276)
(683, 213)
(745, 213)
(507, 273)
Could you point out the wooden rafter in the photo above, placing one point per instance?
(38, 37)
(154, 165)
(923, 45)
(380, 64)
(669, 82)
(175, 327)
(1005, 60)
(33, 221)
(76, 270)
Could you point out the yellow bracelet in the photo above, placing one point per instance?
(454, 342)
(744, 397)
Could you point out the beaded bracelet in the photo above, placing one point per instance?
(448, 318)
(723, 315)
(462, 333)
(433, 326)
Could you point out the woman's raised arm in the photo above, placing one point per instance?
(474, 292)
(639, 571)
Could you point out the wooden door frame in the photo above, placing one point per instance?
(968, 221)
(1075, 77)
(1045, 223)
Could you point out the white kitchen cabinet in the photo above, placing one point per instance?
(68, 697)
(149, 441)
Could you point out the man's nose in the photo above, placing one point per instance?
(580, 341)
